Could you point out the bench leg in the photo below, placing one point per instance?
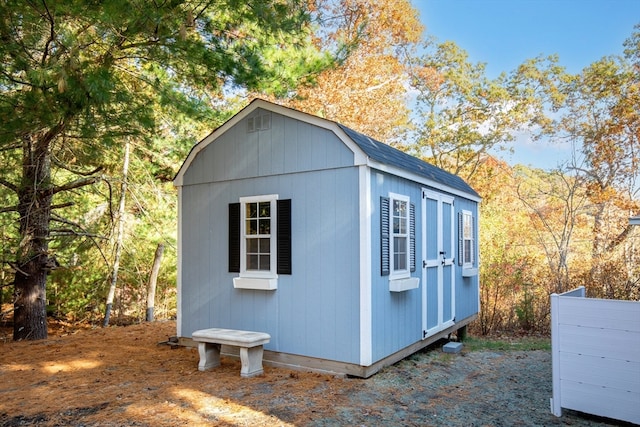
(209, 355)
(251, 359)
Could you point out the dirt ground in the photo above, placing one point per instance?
(127, 376)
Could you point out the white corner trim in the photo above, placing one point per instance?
(401, 285)
(179, 267)
(257, 284)
(366, 339)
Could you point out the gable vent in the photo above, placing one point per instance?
(259, 122)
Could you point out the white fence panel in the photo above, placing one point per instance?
(601, 371)
(604, 402)
(595, 356)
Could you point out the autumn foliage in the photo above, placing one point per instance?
(77, 84)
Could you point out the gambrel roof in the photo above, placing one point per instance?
(366, 151)
(388, 155)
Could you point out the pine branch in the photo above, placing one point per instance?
(74, 171)
(9, 185)
(52, 33)
(11, 147)
(82, 182)
(15, 208)
(58, 232)
(9, 209)
(62, 205)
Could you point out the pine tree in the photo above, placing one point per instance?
(77, 77)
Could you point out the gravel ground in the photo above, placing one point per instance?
(121, 376)
(482, 388)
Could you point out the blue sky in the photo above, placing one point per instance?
(504, 33)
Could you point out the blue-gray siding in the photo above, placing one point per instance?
(467, 288)
(397, 316)
(290, 146)
(314, 311)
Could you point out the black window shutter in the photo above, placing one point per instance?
(283, 234)
(385, 259)
(412, 237)
(460, 238)
(234, 238)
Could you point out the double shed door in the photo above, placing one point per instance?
(438, 274)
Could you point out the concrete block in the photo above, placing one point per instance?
(452, 347)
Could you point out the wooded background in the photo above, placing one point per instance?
(100, 104)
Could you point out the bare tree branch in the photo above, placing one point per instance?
(82, 182)
(62, 205)
(77, 172)
(83, 233)
(57, 232)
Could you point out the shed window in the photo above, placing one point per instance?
(400, 221)
(466, 242)
(260, 238)
(397, 225)
(257, 235)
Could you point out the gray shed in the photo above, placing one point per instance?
(351, 254)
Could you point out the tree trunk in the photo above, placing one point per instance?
(151, 291)
(32, 260)
(119, 237)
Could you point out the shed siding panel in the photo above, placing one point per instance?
(314, 311)
(396, 316)
(278, 146)
(289, 146)
(467, 288)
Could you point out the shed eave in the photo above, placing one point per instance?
(634, 220)
(393, 170)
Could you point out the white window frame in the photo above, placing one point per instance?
(394, 272)
(467, 226)
(258, 274)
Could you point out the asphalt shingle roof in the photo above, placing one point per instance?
(388, 155)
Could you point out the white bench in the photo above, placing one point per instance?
(250, 343)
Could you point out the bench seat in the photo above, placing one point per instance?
(250, 344)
